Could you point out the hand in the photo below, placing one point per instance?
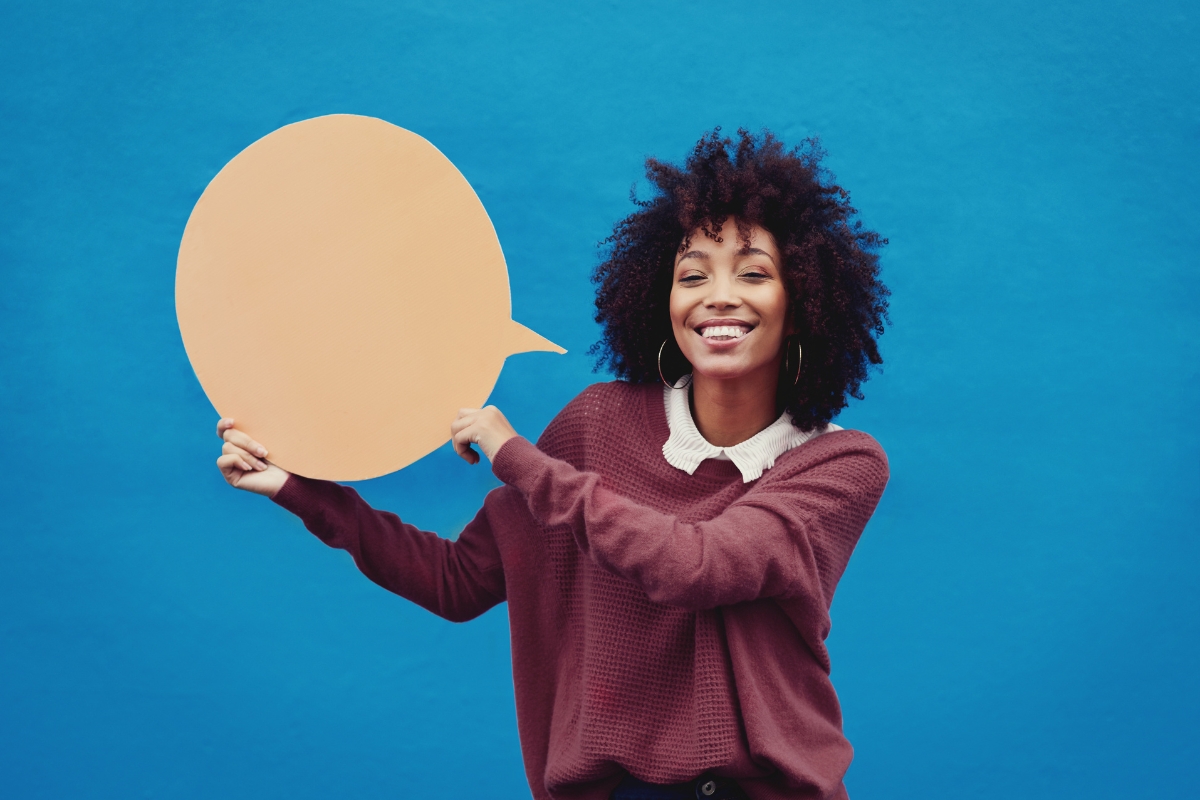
(485, 427)
(244, 463)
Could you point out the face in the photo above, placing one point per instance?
(729, 307)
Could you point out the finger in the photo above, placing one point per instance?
(462, 446)
(466, 453)
(231, 448)
(465, 417)
(243, 441)
(247, 462)
(223, 424)
(230, 464)
(461, 424)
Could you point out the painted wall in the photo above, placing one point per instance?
(1020, 618)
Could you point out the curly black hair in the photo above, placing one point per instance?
(830, 270)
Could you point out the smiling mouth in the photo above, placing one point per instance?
(723, 332)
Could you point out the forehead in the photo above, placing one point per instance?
(732, 242)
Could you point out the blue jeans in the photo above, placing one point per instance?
(706, 787)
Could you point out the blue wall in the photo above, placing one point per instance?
(1021, 616)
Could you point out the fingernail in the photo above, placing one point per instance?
(262, 451)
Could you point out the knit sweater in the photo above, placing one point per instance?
(663, 624)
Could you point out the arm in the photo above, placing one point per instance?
(458, 580)
(789, 537)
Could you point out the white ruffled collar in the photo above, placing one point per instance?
(685, 449)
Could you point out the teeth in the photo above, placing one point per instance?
(715, 331)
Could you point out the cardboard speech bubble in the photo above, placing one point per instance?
(341, 293)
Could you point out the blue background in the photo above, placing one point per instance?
(1020, 618)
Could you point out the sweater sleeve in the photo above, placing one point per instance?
(788, 538)
(457, 580)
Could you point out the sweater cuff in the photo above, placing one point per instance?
(298, 495)
(518, 462)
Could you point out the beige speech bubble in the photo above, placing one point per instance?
(341, 293)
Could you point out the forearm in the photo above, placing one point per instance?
(456, 580)
(742, 555)
(746, 553)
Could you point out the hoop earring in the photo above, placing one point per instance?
(660, 372)
(787, 357)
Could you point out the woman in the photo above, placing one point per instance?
(670, 547)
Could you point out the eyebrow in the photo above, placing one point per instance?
(754, 251)
(743, 251)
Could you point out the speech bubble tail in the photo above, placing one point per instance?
(523, 340)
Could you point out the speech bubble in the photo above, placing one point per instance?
(341, 293)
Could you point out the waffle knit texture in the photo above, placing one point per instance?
(663, 624)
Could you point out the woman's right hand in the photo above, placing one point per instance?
(244, 463)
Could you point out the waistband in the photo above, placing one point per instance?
(706, 787)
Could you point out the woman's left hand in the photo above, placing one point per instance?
(485, 427)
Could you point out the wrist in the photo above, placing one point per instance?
(498, 442)
(278, 479)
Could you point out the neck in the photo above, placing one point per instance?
(730, 411)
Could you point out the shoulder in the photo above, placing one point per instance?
(849, 457)
(599, 411)
(848, 440)
(601, 402)
(610, 396)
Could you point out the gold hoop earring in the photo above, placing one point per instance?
(661, 347)
(787, 358)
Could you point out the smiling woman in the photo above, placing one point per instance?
(670, 547)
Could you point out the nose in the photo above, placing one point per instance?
(722, 293)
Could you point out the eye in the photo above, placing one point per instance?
(755, 274)
(691, 279)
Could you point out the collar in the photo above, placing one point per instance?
(685, 449)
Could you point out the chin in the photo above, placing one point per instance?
(722, 372)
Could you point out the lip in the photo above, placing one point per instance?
(715, 322)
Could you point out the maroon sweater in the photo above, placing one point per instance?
(663, 624)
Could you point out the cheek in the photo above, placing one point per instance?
(774, 311)
(773, 307)
(678, 310)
